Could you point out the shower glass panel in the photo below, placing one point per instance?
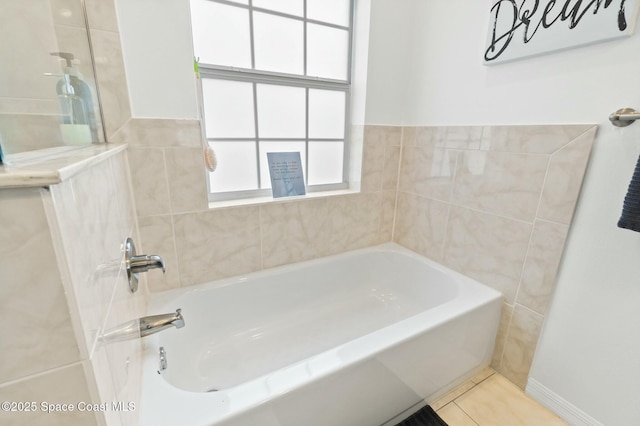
(48, 95)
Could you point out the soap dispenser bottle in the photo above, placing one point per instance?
(80, 88)
(74, 127)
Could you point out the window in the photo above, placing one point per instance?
(275, 78)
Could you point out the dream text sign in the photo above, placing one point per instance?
(521, 28)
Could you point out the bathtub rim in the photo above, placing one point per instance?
(159, 301)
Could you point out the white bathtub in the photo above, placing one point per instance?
(347, 340)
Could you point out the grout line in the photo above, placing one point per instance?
(43, 373)
(528, 309)
(395, 201)
(466, 414)
(533, 227)
(544, 183)
(476, 209)
(524, 263)
(449, 205)
(261, 237)
(576, 138)
(166, 180)
(175, 250)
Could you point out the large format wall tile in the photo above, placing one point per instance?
(149, 181)
(34, 315)
(217, 243)
(564, 179)
(101, 15)
(504, 180)
(488, 248)
(110, 75)
(452, 137)
(541, 265)
(536, 139)
(505, 184)
(427, 171)
(186, 177)
(421, 224)
(378, 140)
(501, 337)
(101, 223)
(353, 221)
(162, 133)
(66, 385)
(156, 236)
(387, 215)
(292, 232)
(520, 345)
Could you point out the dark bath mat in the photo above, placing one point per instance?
(425, 417)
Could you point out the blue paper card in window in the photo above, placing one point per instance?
(285, 169)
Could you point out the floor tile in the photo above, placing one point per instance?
(498, 402)
(447, 398)
(454, 416)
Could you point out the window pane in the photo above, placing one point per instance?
(326, 114)
(278, 44)
(228, 109)
(292, 7)
(332, 11)
(265, 147)
(327, 52)
(237, 169)
(221, 34)
(281, 111)
(325, 162)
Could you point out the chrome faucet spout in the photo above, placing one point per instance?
(145, 262)
(155, 323)
(142, 327)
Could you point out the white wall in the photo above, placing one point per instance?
(158, 56)
(389, 49)
(589, 350)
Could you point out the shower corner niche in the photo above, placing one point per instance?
(48, 93)
(62, 262)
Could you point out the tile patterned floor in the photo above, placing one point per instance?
(491, 400)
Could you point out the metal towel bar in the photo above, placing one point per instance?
(624, 117)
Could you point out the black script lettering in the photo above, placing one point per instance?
(514, 15)
(501, 42)
(622, 20)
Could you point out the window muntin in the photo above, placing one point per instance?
(291, 94)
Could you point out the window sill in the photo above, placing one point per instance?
(270, 200)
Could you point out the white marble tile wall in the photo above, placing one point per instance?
(201, 245)
(64, 283)
(94, 214)
(495, 203)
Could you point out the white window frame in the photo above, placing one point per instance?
(209, 71)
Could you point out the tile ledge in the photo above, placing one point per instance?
(54, 166)
(270, 200)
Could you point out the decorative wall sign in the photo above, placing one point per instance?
(521, 28)
(285, 170)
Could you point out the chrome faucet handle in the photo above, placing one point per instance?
(139, 263)
(179, 321)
